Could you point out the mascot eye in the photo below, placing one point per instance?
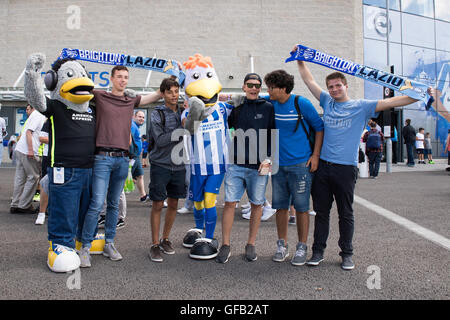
(195, 76)
(69, 73)
(209, 75)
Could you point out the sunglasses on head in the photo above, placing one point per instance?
(253, 85)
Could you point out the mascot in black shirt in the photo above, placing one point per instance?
(71, 152)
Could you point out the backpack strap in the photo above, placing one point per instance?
(162, 116)
(300, 118)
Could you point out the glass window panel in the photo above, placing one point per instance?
(442, 9)
(417, 31)
(375, 56)
(375, 24)
(393, 4)
(442, 35)
(419, 64)
(420, 7)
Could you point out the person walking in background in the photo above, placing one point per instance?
(420, 138)
(28, 167)
(409, 136)
(428, 152)
(374, 148)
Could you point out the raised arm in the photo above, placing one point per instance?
(399, 101)
(308, 79)
(33, 84)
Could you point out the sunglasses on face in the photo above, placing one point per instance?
(253, 85)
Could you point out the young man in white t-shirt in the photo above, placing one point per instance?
(420, 138)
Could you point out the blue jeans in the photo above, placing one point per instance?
(410, 152)
(292, 181)
(67, 205)
(374, 163)
(238, 179)
(109, 177)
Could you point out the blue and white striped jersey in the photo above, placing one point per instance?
(209, 146)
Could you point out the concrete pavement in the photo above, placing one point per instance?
(392, 261)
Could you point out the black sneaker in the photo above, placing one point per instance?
(155, 253)
(29, 210)
(101, 222)
(224, 254)
(145, 198)
(250, 253)
(347, 263)
(315, 259)
(120, 224)
(166, 246)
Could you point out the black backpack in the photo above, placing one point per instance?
(373, 140)
(311, 135)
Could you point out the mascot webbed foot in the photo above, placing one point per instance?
(62, 259)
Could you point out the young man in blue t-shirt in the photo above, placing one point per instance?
(296, 160)
(344, 121)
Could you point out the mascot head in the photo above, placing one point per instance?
(201, 79)
(69, 82)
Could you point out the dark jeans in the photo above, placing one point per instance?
(334, 181)
(68, 204)
(374, 162)
(410, 152)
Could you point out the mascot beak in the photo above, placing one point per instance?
(77, 90)
(205, 89)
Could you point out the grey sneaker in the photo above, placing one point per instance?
(224, 254)
(282, 251)
(315, 259)
(155, 253)
(85, 258)
(111, 252)
(166, 246)
(347, 263)
(299, 258)
(250, 254)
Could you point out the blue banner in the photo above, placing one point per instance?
(167, 66)
(413, 89)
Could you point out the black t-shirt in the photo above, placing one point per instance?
(71, 136)
(252, 114)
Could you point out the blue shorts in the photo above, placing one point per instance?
(136, 169)
(238, 179)
(292, 181)
(200, 184)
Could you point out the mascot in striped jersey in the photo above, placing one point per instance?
(207, 123)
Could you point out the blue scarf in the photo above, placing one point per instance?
(117, 59)
(413, 89)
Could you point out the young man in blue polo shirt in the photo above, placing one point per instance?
(344, 121)
(297, 161)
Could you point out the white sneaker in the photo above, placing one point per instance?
(247, 215)
(40, 218)
(246, 210)
(267, 213)
(184, 210)
(245, 205)
(312, 213)
(165, 204)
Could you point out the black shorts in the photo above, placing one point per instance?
(419, 151)
(166, 183)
